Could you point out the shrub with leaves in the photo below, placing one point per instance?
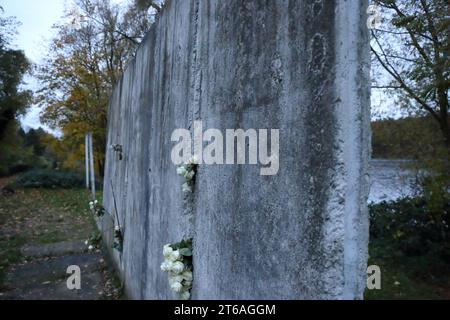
(49, 179)
(408, 225)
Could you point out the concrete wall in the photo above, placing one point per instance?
(300, 66)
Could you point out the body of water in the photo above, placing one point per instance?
(390, 180)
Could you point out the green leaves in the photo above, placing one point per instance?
(13, 66)
(409, 225)
(403, 21)
(185, 249)
(187, 252)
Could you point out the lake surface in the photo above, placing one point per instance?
(390, 180)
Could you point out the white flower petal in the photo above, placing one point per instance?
(187, 275)
(186, 188)
(174, 256)
(194, 160)
(177, 267)
(176, 287)
(167, 251)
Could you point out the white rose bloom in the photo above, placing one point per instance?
(185, 295)
(174, 278)
(167, 251)
(181, 171)
(86, 242)
(165, 266)
(186, 188)
(189, 175)
(177, 267)
(176, 287)
(116, 228)
(169, 266)
(187, 275)
(96, 202)
(91, 247)
(174, 255)
(193, 160)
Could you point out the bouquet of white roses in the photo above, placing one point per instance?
(94, 241)
(118, 239)
(188, 171)
(178, 264)
(97, 208)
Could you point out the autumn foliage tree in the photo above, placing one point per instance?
(411, 47)
(93, 44)
(13, 99)
(13, 67)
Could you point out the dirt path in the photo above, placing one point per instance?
(42, 233)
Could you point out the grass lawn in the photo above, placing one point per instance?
(403, 277)
(41, 216)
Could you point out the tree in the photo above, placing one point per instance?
(13, 100)
(13, 66)
(412, 47)
(34, 138)
(86, 58)
(413, 51)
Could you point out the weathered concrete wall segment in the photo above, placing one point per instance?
(300, 66)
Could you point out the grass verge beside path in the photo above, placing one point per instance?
(40, 216)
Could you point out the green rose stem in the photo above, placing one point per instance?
(118, 234)
(115, 205)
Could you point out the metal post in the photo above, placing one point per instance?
(91, 159)
(86, 144)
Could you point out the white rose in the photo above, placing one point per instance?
(166, 266)
(181, 171)
(174, 255)
(174, 278)
(187, 275)
(91, 247)
(185, 295)
(86, 242)
(167, 251)
(176, 287)
(193, 160)
(177, 267)
(116, 228)
(186, 188)
(189, 175)
(96, 202)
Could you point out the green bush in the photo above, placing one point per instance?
(409, 226)
(49, 179)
